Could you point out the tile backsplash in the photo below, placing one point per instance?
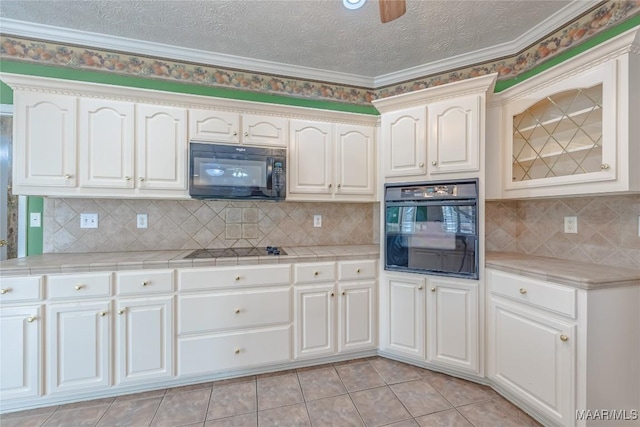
(194, 224)
(607, 228)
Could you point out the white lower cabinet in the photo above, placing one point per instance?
(315, 320)
(78, 346)
(20, 352)
(357, 318)
(144, 339)
(404, 308)
(453, 324)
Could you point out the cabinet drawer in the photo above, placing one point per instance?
(13, 289)
(199, 355)
(354, 270)
(79, 285)
(229, 277)
(315, 272)
(231, 310)
(147, 282)
(556, 298)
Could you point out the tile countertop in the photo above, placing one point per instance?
(112, 261)
(572, 273)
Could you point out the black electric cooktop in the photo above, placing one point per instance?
(235, 252)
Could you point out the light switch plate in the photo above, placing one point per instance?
(317, 221)
(88, 220)
(35, 220)
(142, 221)
(571, 224)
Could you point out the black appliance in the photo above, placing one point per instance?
(235, 252)
(432, 228)
(218, 171)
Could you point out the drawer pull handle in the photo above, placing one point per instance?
(237, 278)
(237, 351)
(146, 283)
(103, 313)
(121, 311)
(5, 291)
(564, 338)
(433, 289)
(78, 287)
(420, 287)
(523, 291)
(31, 319)
(315, 273)
(237, 311)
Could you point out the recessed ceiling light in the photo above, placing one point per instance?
(353, 4)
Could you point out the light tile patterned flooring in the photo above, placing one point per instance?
(362, 392)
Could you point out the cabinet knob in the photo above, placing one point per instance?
(420, 287)
(235, 133)
(237, 311)
(434, 163)
(523, 291)
(121, 311)
(146, 283)
(78, 287)
(67, 176)
(433, 289)
(315, 273)
(329, 185)
(237, 278)
(237, 351)
(2, 241)
(103, 313)
(31, 319)
(246, 134)
(339, 185)
(344, 293)
(332, 294)
(604, 166)
(564, 338)
(5, 291)
(358, 270)
(127, 178)
(421, 164)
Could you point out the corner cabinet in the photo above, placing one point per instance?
(331, 162)
(434, 131)
(572, 129)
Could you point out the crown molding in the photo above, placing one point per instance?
(566, 14)
(169, 52)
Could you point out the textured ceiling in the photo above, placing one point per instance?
(320, 34)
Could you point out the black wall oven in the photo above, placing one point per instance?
(218, 171)
(432, 228)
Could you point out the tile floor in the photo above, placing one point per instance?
(363, 392)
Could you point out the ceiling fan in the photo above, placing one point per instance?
(391, 9)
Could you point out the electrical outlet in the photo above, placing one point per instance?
(317, 221)
(142, 221)
(571, 224)
(35, 220)
(88, 220)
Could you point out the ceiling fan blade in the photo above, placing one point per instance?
(392, 9)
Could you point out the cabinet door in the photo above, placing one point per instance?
(406, 316)
(214, 126)
(45, 132)
(533, 355)
(454, 135)
(161, 140)
(357, 319)
(452, 309)
(264, 130)
(79, 346)
(20, 353)
(106, 143)
(404, 138)
(315, 325)
(144, 339)
(355, 165)
(310, 158)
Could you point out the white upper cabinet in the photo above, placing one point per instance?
(455, 135)
(568, 132)
(434, 131)
(45, 140)
(235, 128)
(404, 138)
(161, 140)
(331, 161)
(106, 142)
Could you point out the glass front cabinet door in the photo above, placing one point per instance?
(562, 134)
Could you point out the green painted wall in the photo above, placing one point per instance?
(34, 234)
(6, 94)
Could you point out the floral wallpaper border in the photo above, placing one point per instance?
(605, 16)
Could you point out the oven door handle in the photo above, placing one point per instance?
(432, 203)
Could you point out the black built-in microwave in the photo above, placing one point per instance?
(218, 171)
